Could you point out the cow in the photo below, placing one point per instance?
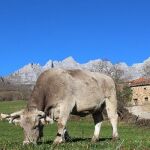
(59, 93)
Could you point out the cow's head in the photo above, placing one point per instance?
(31, 121)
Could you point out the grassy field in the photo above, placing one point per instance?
(131, 137)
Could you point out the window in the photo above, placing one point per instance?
(135, 101)
(146, 99)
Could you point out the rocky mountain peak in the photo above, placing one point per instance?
(30, 72)
(48, 65)
(68, 63)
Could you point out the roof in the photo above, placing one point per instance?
(140, 82)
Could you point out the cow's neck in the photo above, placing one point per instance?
(36, 104)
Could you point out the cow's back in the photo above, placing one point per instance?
(84, 88)
(90, 89)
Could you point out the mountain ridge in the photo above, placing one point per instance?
(29, 73)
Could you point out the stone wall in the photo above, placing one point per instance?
(141, 95)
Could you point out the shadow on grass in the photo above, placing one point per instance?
(45, 142)
(88, 139)
(74, 140)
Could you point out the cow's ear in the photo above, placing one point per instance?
(43, 118)
(46, 120)
(12, 118)
(16, 121)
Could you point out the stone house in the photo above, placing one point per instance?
(141, 91)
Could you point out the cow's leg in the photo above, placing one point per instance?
(62, 134)
(61, 123)
(62, 115)
(111, 107)
(98, 118)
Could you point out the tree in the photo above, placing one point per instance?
(102, 66)
(124, 95)
(146, 69)
(106, 67)
(117, 74)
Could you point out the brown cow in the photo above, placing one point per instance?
(59, 93)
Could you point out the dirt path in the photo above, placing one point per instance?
(141, 111)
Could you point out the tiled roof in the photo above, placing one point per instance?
(140, 82)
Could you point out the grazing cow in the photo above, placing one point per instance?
(59, 93)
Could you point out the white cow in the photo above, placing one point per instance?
(59, 93)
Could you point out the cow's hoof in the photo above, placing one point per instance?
(114, 138)
(58, 140)
(94, 139)
(26, 142)
(29, 143)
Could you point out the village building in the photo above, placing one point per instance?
(140, 91)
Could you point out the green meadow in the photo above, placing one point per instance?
(81, 131)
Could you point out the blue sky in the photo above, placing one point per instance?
(39, 30)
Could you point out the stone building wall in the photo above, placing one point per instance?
(141, 95)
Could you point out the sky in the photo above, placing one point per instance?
(34, 31)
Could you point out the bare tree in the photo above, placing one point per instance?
(146, 69)
(117, 73)
(106, 67)
(103, 67)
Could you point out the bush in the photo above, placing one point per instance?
(9, 91)
(124, 96)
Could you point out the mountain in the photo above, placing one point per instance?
(29, 73)
(26, 75)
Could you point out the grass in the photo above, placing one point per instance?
(131, 137)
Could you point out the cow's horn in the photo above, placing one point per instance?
(4, 116)
(7, 117)
(13, 115)
(46, 120)
(18, 113)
